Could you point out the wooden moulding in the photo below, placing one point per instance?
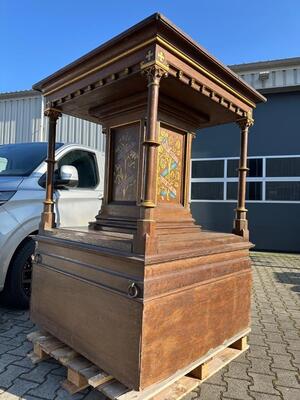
(81, 373)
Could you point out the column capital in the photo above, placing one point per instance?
(52, 113)
(154, 73)
(245, 122)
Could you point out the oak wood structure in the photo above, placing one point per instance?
(81, 373)
(144, 292)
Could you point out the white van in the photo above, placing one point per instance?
(22, 180)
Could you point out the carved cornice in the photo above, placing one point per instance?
(173, 49)
(106, 80)
(206, 91)
(155, 66)
(101, 66)
(169, 47)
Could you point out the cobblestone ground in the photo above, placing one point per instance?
(268, 371)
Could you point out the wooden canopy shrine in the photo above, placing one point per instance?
(144, 292)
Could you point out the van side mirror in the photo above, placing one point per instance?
(67, 177)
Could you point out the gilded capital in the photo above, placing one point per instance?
(245, 123)
(154, 73)
(52, 113)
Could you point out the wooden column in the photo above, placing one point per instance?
(48, 216)
(241, 223)
(154, 75)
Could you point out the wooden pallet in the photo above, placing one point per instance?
(81, 373)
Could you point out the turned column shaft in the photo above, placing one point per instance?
(240, 222)
(48, 216)
(154, 75)
(243, 169)
(151, 139)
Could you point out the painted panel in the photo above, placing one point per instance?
(170, 166)
(125, 156)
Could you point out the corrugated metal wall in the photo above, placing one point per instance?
(75, 130)
(20, 121)
(272, 79)
(264, 75)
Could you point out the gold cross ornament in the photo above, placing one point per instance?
(161, 56)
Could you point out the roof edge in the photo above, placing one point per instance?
(95, 51)
(219, 67)
(20, 93)
(279, 63)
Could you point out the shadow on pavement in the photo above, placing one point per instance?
(290, 278)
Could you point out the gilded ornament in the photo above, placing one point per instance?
(169, 166)
(161, 57)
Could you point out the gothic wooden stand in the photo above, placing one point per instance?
(144, 293)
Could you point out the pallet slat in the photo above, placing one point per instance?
(78, 363)
(64, 354)
(71, 388)
(153, 390)
(81, 373)
(90, 372)
(48, 345)
(32, 336)
(212, 366)
(99, 379)
(114, 389)
(178, 389)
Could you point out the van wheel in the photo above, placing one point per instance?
(17, 288)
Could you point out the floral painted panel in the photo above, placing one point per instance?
(125, 162)
(170, 166)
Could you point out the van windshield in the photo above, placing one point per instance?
(21, 159)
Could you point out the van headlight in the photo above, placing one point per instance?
(6, 195)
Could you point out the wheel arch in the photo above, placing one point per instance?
(21, 236)
(16, 291)
(18, 248)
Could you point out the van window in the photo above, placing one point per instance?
(21, 159)
(86, 165)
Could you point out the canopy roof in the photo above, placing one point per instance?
(113, 71)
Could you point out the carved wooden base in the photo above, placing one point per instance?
(141, 319)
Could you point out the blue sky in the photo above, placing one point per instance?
(39, 36)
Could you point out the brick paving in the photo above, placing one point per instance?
(268, 371)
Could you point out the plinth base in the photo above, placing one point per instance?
(185, 304)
